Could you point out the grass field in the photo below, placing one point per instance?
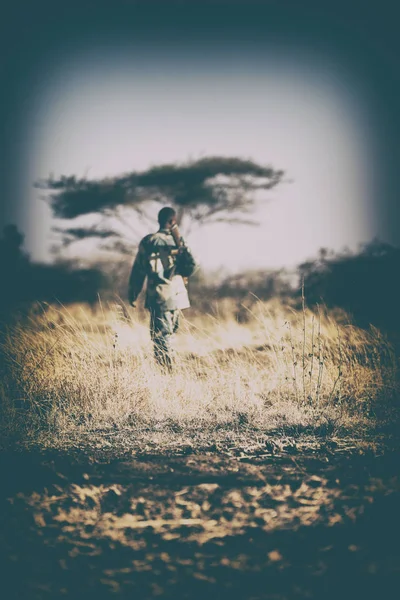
(75, 375)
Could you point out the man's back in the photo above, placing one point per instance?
(164, 264)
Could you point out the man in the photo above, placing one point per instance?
(165, 260)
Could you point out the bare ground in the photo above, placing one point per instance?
(275, 519)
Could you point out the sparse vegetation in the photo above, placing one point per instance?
(74, 374)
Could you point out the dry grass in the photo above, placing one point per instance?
(73, 371)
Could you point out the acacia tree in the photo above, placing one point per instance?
(207, 190)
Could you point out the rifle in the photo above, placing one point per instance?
(178, 239)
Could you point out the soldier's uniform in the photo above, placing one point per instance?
(165, 266)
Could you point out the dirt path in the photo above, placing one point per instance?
(320, 525)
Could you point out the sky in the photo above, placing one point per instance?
(122, 91)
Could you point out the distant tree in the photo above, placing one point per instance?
(14, 266)
(258, 284)
(24, 282)
(207, 190)
(365, 283)
(66, 282)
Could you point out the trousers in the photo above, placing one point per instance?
(163, 326)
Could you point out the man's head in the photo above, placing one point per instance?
(167, 217)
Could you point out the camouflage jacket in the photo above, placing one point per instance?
(165, 265)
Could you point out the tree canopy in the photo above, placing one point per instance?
(209, 190)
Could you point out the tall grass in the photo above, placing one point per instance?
(75, 370)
